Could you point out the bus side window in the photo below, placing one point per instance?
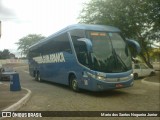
(80, 47)
(58, 44)
(82, 57)
(32, 54)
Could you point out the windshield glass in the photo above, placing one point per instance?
(110, 53)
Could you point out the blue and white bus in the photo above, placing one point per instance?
(91, 57)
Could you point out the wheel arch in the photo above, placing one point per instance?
(72, 73)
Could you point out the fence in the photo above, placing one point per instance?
(5, 61)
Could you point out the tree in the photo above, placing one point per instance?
(5, 54)
(138, 19)
(25, 42)
(155, 54)
(0, 54)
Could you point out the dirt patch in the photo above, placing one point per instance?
(155, 78)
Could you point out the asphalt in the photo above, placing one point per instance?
(13, 100)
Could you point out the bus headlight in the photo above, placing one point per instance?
(96, 76)
(131, 75)
(101, 78)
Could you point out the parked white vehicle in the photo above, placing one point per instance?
(141, 70)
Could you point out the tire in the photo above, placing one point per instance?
(74, 84)
(135, 76)
(35, 76)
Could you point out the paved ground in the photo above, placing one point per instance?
(8, 97)
(54, 97)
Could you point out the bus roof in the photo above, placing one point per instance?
(92, 27)
(73, 27)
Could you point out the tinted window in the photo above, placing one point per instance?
(143, 66)
(33, 54)
(80, 47)
(136, 66)
(58, 44)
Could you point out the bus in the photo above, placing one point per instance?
(83, 56)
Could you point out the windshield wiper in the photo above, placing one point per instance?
(119, 59)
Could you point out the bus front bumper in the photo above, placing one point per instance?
(99, 85)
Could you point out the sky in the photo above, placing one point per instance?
(22, 17)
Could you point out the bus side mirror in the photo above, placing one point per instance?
(135, 46)
(87, 42)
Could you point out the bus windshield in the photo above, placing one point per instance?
(110, 52)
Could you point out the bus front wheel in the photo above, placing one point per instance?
(74, 84)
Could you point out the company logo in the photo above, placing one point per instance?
(6, 114)
(51, 58)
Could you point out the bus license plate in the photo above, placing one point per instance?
(119, 85)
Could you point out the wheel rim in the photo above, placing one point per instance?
(35, 76)
(38, 78)
(74, 84)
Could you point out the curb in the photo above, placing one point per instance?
(150, 83)
(20, 103)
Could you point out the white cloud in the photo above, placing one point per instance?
(36, 16)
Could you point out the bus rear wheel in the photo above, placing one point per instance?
(37, 77)
(74, 84)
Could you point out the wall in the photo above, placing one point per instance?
(13, 61)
